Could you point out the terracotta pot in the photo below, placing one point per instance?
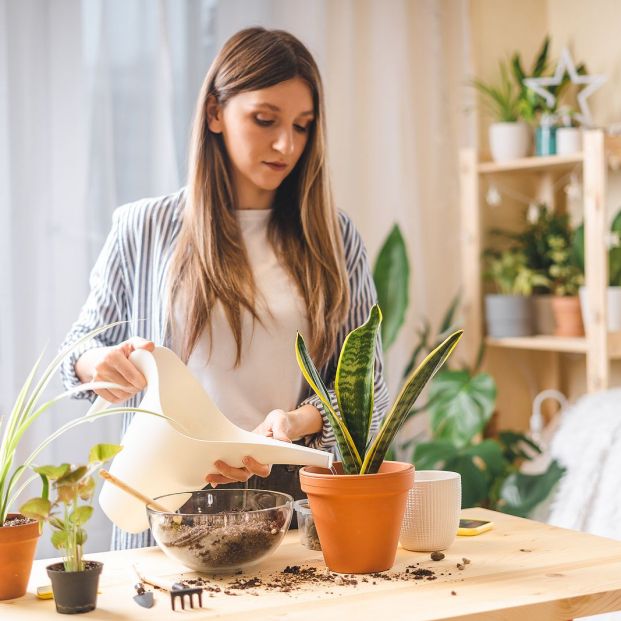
(17, 550)
(567, 316)
(358, 517)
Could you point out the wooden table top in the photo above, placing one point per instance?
(519, 570)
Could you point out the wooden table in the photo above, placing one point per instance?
(519, 570)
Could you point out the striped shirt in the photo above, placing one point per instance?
(129, 283)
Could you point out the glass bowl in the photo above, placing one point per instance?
(306, 525)
(222, 530)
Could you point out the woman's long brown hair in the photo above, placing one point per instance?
(210, 263)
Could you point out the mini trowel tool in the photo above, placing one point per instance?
(143, 597)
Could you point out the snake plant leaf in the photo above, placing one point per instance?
(408, 395)
(391, 275)
(354, 380)
(347, 448)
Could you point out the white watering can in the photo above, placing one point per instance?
(164, 457)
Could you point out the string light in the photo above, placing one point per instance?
(570, 183)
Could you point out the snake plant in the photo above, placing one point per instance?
(354, 384)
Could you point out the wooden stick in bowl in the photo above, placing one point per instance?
(133, 492)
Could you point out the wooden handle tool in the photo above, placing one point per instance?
(133, 492)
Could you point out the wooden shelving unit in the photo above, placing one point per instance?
(598, 345)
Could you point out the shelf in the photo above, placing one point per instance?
(531, 163)
(561, 344)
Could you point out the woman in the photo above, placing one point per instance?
(228, 269)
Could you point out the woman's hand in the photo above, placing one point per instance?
(280, 425)
(111, 364)
(276, 425)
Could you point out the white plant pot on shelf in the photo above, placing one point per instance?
(614, 307)
(163, 456)
(509, 141)
(568, 140)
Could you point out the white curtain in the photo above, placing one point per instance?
(96, 100)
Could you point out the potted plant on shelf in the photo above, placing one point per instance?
(566, 277)
(508, 312)
(545, 115)
(613, 291)
(568, 133)
(359, 509)
(74, 581)
(509, 135)
(19, 534)
(541, 225)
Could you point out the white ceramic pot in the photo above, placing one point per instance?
(568, 140)
(614, 307)
(432, 513)
(509, 141)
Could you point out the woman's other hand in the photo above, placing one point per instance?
(275, 425)
(112, 364)
(280, 425)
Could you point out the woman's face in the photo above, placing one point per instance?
(265, 132)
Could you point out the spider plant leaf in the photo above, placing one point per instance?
(354, 380)
(404, 402)
(347, 448)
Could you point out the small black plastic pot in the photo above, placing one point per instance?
(75, 591)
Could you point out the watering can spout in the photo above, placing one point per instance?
(173, 453)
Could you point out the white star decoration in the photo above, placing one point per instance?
(566, 63)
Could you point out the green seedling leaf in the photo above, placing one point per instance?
(81, 536)
(59, 539)
(86, 488)
(103, 452)
(56, 522)
(355, 380)
(81, 515)
(53, 472)
(73, 476)
(36, 508)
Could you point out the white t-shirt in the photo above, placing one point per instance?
(268, 376)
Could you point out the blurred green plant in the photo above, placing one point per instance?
(460, 403)
(614, 250)
(74, 487)
(508, 270)
(501, 99)
(391, 275)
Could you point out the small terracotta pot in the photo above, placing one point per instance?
(17, 550)
(358, 517)
(567, 316)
